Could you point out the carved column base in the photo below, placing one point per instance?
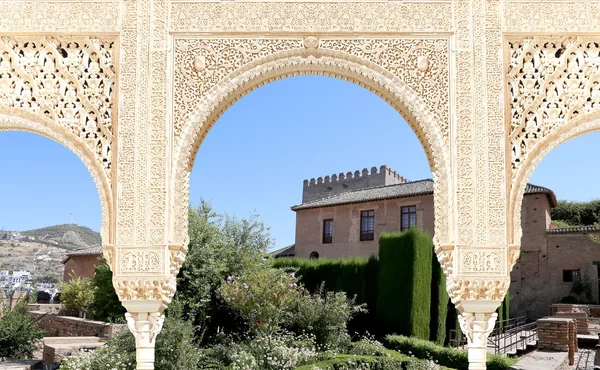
(477, 321)
(145, 322)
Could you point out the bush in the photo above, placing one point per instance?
(391, 361)
(325, 315)
(77, 294)
(405, 257)
(355, 276)
(175, 348)
(19, 333)
(450, 357)
(265, 298)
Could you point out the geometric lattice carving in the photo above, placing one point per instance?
(550, 81)
(69, 80)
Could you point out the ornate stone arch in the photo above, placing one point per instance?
(430, 126)
(576, 127)
(16, 119)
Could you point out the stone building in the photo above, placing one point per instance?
(343, 216)
(82, 262)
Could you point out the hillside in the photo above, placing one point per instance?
(69, 235)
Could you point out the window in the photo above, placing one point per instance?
(570, 276)
(409, 217)
(367, 225)
(327, 231)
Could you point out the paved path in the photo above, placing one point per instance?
(584, 359)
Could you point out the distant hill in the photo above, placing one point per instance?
(67, 235)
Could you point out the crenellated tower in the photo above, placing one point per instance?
(323, 187)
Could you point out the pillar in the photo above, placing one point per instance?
(477, 323)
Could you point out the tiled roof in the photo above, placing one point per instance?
(404, 190)
(407, 189)
(536, 189)
(575, 229)
(84, 252)
(289, 251)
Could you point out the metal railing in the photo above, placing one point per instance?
(514, 340)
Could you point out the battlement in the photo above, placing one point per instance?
(323, 187)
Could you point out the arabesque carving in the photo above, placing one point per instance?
(422, 64)
(477, 288)
(70, 80)
(551, 81)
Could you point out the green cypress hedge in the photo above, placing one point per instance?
(439, 303)
(404, 284)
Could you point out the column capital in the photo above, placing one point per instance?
(477, 326)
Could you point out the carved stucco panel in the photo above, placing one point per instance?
(551, 16)
(201, 64)
(312, 17)
(70, 80)
(91, 17)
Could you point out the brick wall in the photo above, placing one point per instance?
(558, 334)
(67, 326)
(346, 226)
(83, 266)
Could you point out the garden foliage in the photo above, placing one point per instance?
(19, 333)
(106, 305)
(450, 357)
(439, 303)
(77, 294)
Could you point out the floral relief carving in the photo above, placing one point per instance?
(477, 288)
(69, 80)
(139, 288)
(550, 82)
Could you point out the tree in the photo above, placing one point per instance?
(19, 333)
(220, 246)
(77, 294)
(106, 305)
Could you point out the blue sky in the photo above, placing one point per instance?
(257, 155)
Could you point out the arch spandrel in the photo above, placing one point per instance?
(412, 74)
(553, 95)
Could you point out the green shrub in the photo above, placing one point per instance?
(356, 276)
(265, 298)
(106, 305)
(175, 348)
(450, 357)
(19, 333)
(325, 316)
(77, 294)
(404, 284)
(439, 303)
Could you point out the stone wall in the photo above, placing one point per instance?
(48, 308)
(558, 334)
(67, 326)
(346, 226)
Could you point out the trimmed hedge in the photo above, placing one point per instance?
(439, 303)
(404, 284)
(450, 357)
